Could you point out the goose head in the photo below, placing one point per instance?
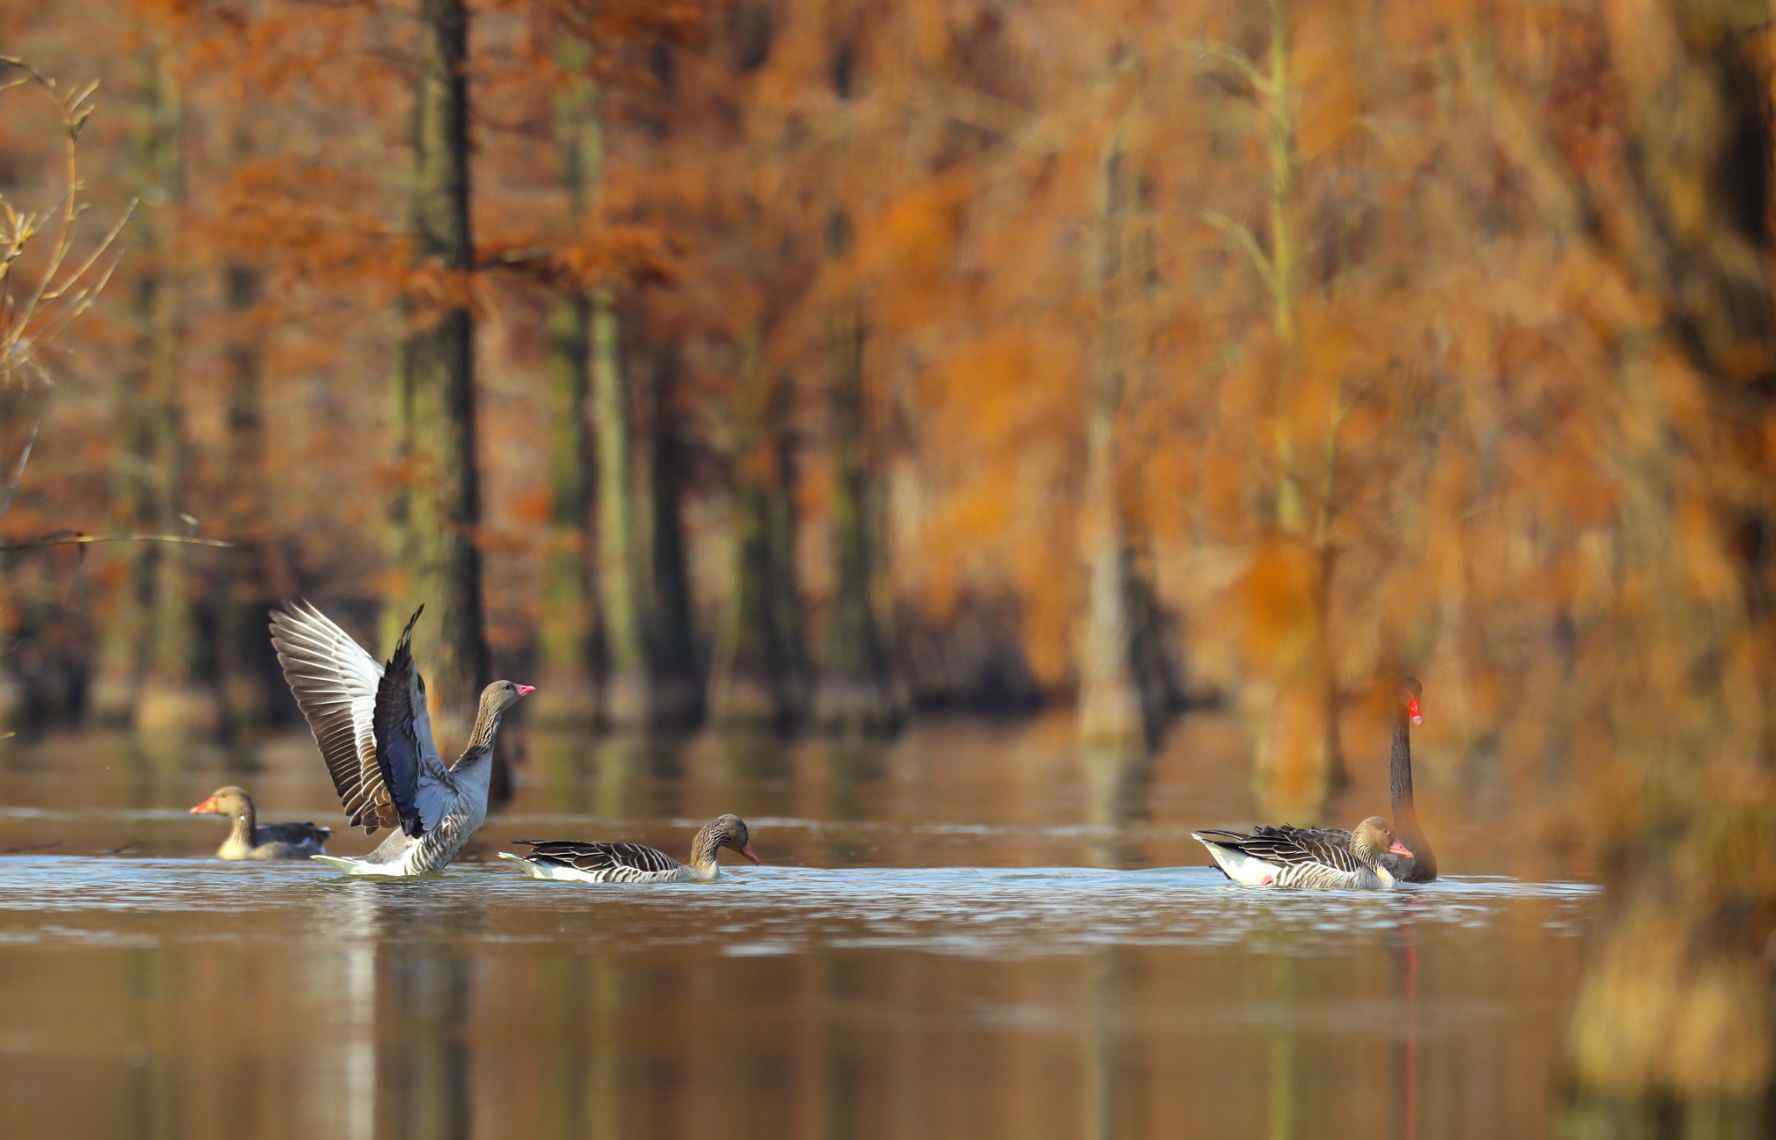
(502, 695)
(1373, 838)
(231, 801)
(1411, 692)
(727, 830)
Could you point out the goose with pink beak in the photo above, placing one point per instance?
(375, 733)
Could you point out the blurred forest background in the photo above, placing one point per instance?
(818, 364)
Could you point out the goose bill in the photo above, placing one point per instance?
(1398, 848)
(747, 851)
(208, 807)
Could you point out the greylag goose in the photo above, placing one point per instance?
(1298, 857)
(247, 840)
(633, 862)
(376, 737)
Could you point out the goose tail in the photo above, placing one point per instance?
(348, 865)
(1236, 864)
(526, 865)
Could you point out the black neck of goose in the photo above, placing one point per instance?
(1400, 766)
(1422, 867)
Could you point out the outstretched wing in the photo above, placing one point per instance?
(418, 784)
(335, 683)
(595, 857)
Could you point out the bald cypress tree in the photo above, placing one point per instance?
(438, 509)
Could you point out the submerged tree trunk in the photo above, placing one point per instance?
(1292, 711)
(858, 691)
(171, 697)
(757, 674)
(239, 596)
(569, 635)
(677, 689)
(439, 507)
(1117, 706)
(622, 580)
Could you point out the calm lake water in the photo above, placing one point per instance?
(972, 932)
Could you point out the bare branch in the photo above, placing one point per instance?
(18, 469)
(1209, 51)
(61, 292)
(1241, 235)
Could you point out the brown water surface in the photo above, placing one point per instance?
(974, 932)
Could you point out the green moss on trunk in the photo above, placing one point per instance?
(569, 636)
(858, 694)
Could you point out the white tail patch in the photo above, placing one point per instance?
(1240, 867)
(553, 871)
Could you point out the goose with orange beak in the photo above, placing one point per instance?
(248, 839)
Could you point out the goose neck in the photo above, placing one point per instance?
(1400, 766)
(704, 849)
(245, 826)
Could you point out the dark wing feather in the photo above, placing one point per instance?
(335, 681)
(1292, 846)
(294, 833)
(594, 857)
(1338, 836)
(398, 752)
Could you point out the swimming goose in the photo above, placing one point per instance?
(376, 737)
(247, 840)
(1297, 857)
(632, 862)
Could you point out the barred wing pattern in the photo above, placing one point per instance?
(1399, 866)
(607, 862)
(1303, 857)
(335, 683)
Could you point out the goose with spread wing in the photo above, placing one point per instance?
(1304, 857)
(633, 862)
(375, 734)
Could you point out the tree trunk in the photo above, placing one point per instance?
(439, 508)
(621, 578)
(171, 699)
(758, 659)
(783, 532)
(570, 635)
(241, 650)
(858, 693)
(677, 690)
(1292, 713)
(1115, 709)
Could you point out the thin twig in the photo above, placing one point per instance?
(1243, 236)
(1211, 52)
(91, 539)
(18, 468)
